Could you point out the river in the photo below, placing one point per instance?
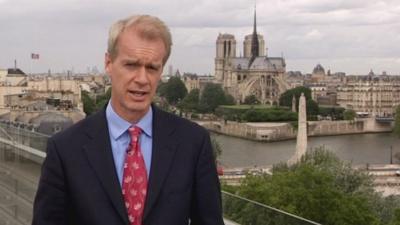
(358, 148)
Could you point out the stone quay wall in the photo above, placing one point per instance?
(284, 131)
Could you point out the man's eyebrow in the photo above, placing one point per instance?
(131, 61)
(154, 65)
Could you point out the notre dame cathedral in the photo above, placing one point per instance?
(254, 73)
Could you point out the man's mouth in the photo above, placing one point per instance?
(138, 93)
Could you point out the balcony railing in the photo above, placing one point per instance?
(247, 212)
(21, 155)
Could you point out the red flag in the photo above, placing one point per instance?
(34, 56)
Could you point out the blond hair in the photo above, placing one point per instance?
(146, 26)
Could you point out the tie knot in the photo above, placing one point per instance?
(134, 132)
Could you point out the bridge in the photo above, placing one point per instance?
(22, 152)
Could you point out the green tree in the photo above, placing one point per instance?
(387, 207)
(92, 105)
(102, 100)
(229, 99)
(268, 115)
(396, 218)
(311, 105)
(88, 103)
(212, 97)
(161, 88)
(320, 187)
(349, 114)
(191, 101)
(251, 100)
(312, 109)
(287, 96)
(217, 150)
(336, 113)
(396, 129)
(174, 90)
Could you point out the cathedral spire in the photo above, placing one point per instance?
(254, 41)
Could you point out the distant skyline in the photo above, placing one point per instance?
(350, 36)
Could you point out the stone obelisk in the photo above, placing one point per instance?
(294, 104)
(301, 145)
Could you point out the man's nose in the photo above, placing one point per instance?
(141, 76)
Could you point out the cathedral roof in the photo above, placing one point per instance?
(259, 63)
(226, 36)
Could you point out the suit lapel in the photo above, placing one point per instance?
(99, 154)
(163, 151)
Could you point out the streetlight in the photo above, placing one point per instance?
(391, 154)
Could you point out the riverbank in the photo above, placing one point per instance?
(271, 132)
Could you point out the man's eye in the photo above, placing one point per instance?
(154, 68)
(130, 64)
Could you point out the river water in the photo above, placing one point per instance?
(358, 148)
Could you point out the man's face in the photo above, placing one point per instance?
(134, 73)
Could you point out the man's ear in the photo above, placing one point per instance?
(107, 63)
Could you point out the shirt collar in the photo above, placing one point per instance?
(117, 125)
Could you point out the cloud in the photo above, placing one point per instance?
(324, 6)
(313, 35)
(72, 33)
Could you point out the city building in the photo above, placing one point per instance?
(12, 81)
(294, 79)
(12, 77)
(324, 85)
(318, 91)
(370, 95)
(45, 103)
(318, 75)
(194, 81)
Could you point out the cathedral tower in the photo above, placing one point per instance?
(247, 45)
(226, 49)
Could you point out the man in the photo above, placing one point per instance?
(130, 163)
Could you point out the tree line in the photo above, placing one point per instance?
(213, 98)
(176, 94)
(320, 187)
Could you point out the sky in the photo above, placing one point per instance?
(351, 36)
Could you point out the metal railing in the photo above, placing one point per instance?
(247, 212)
(21, 154)
(24, 136)
(18, 183)
(20, 169)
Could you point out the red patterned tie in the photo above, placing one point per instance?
(134, 182)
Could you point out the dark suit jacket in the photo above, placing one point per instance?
(79, 184)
